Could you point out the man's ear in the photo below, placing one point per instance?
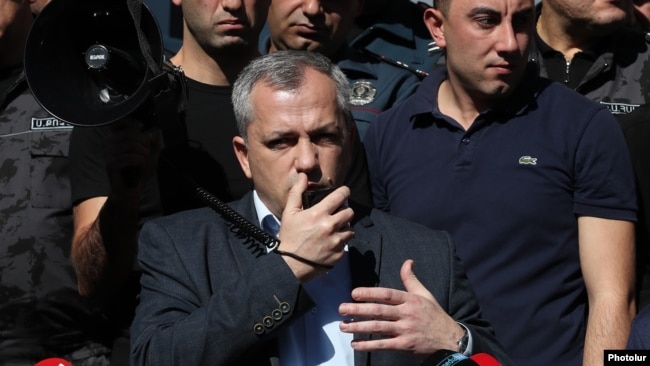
(241, 151)
(177, 2)
(434, 21)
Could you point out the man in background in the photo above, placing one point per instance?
(393, 31)
(324, 26)
(589, 47)
(532, 180)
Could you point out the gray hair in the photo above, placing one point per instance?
(285, 70)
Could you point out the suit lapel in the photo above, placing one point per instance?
(240, 237)
(246, 207)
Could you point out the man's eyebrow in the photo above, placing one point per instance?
(327, 128)
(273, 135)
(483, 10)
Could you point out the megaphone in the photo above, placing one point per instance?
(89, 62)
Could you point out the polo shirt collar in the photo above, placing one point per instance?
(425, 99)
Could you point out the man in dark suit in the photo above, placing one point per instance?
(334, 286)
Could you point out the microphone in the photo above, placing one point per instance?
(445, 357)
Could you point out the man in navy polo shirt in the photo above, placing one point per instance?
(532, 180)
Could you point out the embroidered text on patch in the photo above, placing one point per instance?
(48, 123)
(620, 108)
(527, 160)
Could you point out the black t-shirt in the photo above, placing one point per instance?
(208, 159)
(211, 125)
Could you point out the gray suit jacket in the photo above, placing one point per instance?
(205, 287)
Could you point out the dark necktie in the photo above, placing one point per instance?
(270, 225)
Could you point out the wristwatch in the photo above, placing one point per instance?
(462, 341)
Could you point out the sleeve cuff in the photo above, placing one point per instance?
(468, 350)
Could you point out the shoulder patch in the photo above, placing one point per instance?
(363, 92)
(620, 108)
(48, 123)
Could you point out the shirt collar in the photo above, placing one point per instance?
(425, 99)
(604, 45)
(261, 209)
